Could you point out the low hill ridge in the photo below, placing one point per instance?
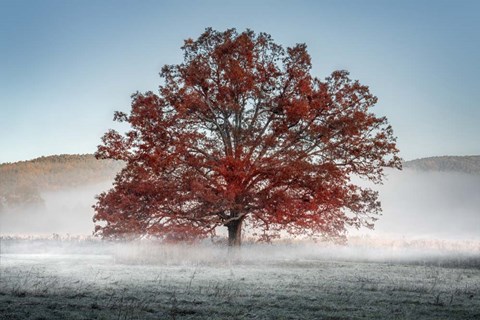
(463, 164)
(22, 182)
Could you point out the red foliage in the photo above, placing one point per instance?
(241, 131)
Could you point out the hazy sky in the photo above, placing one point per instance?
(65, 66)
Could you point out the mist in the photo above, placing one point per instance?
(66, 211)
(416, 204)
(439, 205)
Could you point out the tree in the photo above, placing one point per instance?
(241, 132)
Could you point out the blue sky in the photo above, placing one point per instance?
(65, 66)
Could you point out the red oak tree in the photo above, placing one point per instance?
(242, 133)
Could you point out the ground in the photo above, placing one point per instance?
(267, 283)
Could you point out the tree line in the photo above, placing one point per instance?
(21, 183)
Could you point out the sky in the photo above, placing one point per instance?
(66, 66)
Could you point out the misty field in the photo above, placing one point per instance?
(50, 279)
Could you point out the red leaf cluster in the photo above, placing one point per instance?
(242, 132)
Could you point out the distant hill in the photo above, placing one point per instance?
(21, 183)
(464, 164)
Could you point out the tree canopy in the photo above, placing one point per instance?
(241, 133)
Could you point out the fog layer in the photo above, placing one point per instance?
(64, 212)
(443, 205)
(440, 205)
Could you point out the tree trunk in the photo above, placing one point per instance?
(235, 233)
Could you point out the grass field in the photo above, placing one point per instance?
(71, 280)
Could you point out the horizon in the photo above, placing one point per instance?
(87, 154)
(68, 66)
